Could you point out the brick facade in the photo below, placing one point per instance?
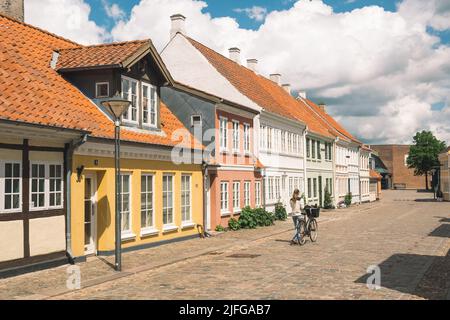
(13, 9)
(394, 157)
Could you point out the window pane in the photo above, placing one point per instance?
(8, 188)
(8, 170)
(7, 202)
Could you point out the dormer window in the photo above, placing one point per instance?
(130, 92)
(196, 121)
(149, 105)
(102, 90)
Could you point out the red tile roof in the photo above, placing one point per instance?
(112, 54)
(266, 93)
(32, 92)
(375, 175)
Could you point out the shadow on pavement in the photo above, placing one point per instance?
(442, 231)
(400, 271)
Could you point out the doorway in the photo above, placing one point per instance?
(90, 213)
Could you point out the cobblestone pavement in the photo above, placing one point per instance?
(406, 234)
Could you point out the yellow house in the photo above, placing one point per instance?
(160, 200)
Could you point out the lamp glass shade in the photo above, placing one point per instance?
(116, 106)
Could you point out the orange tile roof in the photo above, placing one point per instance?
(375, 175)
(32, 92)
(112, 54)
(340, 130)
(264, 92)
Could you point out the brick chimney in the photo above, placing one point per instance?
(13, 9)
(235, 54)
(276, 77)
(252, 64)
(323, 107)
(178, 25)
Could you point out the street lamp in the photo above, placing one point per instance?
(117, 106)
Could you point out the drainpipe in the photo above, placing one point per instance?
(263, 185)
(205, 200)
(69, 156)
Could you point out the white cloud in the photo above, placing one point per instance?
(67, 18)
(378, 71)
(113, 10)
(256, 13)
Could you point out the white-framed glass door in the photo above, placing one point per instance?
(90, 213)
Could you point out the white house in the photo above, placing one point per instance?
(364, 174)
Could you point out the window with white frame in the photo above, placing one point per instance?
(291, 185)
(246, 137)
(46, 190)
(247, 193)
(10, 186)
(258, 193)
(130, 93)
(149, 104)
(168, 199)
(315, 187)
(269, 138)
(186, 198)
(283, 141)
(277, 188)
(236, 136)
(319, 152)
(102, 89)
(147, 217)
(223, 134)
(308, 148)
(309, 189)
(236, 196)
(270, 194)
(125, 209)
(224, 197)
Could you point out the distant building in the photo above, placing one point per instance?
(398, 175)
(444, 180)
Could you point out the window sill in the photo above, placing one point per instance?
(11, 211)
(127, 235)
(237, 211)
(225, 214)
(224, 152)
(147, 232)
(187, 225)
(44, 208)
(169, 228)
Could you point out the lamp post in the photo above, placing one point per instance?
(117, 106)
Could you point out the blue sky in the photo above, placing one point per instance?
(220, 8)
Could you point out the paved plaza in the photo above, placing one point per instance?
(406, 235)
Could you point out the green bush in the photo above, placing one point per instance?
(233, 224)
(348, 199)
(219, 228)
(248, 219)
(264, 218)
(327, 202)
(280, 212)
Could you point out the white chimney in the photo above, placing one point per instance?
(287, 87)
(178, 25)
(252, 64)
(276, 77)
(302, 94)
(235, 54)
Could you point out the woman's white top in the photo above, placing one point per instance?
(297, 206)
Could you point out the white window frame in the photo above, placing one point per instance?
(97, 91)
(130, 195)
(200, 120)
(236, 200)
(147, 175)
(2, 186)
(257, 193)
(46, 186)
(247, 187)
(169, 205)
(183, 205)
(128, 119)
(223, 134)
(151, 99)
(224, 197)
(247, 138)
(236, 137)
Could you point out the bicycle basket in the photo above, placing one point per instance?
(312, 212)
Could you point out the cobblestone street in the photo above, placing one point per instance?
(406, 234)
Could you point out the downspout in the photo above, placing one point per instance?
(205, 172)
(305, 163)
(69, 156)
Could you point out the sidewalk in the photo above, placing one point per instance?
(52, 282)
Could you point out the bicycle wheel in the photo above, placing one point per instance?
(313, 230)
(301, 232)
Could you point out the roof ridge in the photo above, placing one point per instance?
(38, 29)
(111, 44)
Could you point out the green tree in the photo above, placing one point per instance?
(423, 154)
(328, 201)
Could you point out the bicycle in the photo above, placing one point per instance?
(306, 226)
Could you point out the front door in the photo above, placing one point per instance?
(90, 200)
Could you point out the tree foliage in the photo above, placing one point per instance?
(424, 153)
